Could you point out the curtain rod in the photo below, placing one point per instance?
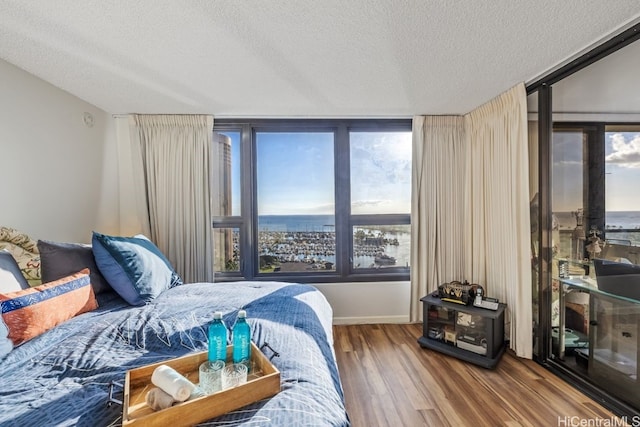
(621, 113)
(121, 115)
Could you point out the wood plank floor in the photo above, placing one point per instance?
(389, 380)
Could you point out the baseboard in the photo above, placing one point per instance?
(370, 319)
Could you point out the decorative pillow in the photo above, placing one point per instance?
(31, 312)
(11, 278)
(58, 260)
(134, 267)
(24, 250)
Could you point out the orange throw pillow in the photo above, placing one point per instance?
(31, 312)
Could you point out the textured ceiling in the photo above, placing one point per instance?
(328, 58)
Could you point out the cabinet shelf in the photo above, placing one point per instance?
(472, 334)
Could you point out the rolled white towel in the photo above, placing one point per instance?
(158, 399)
(172, 382)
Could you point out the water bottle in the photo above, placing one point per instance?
(217, 339)
(242, 340)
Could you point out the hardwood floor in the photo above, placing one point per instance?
(389, 380)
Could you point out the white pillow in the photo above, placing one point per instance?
(6, 345)
(11, 278)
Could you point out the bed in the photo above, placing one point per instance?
(63, 376)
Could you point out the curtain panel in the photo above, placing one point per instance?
(486, 211)
(437, 213)
(165, 176)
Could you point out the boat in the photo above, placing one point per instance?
(384, 259)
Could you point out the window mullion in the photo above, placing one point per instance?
(343, 201)
(249, 237)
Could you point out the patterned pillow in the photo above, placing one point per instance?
(31, 312)
(24, 250)
(134, 267)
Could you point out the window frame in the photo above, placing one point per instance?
(247, 221)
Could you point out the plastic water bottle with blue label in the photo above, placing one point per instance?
(241, 336)
(217, 339)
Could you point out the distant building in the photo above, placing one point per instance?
(221, 198)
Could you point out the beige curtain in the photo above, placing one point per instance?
(133, 209)
(490, 206)
(499, 250)
(437, 214)
(165, 165)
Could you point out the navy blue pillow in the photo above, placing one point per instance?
(134, 267)
(58, 260)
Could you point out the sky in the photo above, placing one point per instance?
(622, 180)
(295, 173)
(380, 172)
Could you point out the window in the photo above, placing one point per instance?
(296, 201)
(381, 198)
(312, 200)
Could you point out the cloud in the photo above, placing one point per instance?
(369, 203)
(380, 166)
(625, 153)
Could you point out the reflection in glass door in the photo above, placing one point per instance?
(569, 309)
(622, 189)
(567, 202)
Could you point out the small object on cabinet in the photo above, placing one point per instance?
(435, 333)
(485, 302)
(476, 348)
(450, 335)
(460, 293)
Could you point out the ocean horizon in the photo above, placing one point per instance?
(628, 220)
(317, 223)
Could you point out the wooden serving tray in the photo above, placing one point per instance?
(263, 381)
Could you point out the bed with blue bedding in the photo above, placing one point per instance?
(63, 376)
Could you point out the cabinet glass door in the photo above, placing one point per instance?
(441, 324)
(472, 332)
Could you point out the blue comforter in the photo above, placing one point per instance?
(62, 377)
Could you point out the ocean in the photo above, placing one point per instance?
(296, 223)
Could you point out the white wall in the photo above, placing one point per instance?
(59, 176)
(368, 302)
